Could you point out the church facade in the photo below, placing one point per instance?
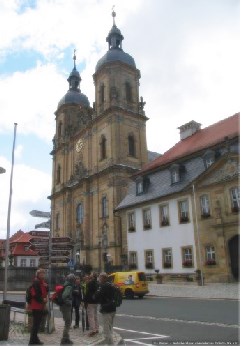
(95, 151)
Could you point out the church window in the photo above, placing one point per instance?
(58, 174)
(57, 219)
(128, 92)
(101, 94)
(131, 146)
(103, 147)
(79, 213)
(104, 207)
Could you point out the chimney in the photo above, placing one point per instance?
(189, 129)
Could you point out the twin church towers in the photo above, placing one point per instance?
(95, 152)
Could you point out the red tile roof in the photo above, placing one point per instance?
(202, 139)
(23, 238)
(19, 250)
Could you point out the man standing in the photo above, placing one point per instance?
(76, 301)
(105, 297)
(91, 303)
(66, 308)
(38, 293)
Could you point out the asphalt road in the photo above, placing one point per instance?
(175, 321)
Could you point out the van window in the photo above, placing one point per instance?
(142, 276)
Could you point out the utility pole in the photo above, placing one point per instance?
(8, 221)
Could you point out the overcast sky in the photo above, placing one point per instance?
(187, 52)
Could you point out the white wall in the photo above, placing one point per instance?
(28, 258)
(157, 238)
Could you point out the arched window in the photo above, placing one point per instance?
(104, 207)
(58, 179)
(128, 92)
(60, 129)
(131, 145)
(101, 94)
(79, 213)
(103, 142)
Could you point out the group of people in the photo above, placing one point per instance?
(77, 295)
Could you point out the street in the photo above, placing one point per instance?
(174, 321)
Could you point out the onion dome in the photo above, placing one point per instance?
(115, 52)
(74, 94)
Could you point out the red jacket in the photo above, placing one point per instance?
(38, 293)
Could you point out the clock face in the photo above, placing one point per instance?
(79, 145)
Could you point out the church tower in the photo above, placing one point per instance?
(96, 150)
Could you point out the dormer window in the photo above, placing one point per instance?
(209, 158)
(175, 173)
(139, 187)
(142, 185)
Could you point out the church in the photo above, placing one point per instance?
(95, 152)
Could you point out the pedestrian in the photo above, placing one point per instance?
(90, 300)
(77, 298)
(66, 308)
(85, 324)
(37, 304)
(105, 297)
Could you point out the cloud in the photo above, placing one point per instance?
(30, 190)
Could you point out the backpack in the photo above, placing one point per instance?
(28, 295)
(57, 297)
(117, 295)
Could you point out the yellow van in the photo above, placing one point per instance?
(131, 283)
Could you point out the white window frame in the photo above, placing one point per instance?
(32, 262)
(22, 262)
(167, 257)
(205, 206)
(184, 211)
(235, 198)
(131, 221)
(164, 214)
(147, 218)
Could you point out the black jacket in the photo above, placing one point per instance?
(77, 296)
(105, 297)
(91, 289)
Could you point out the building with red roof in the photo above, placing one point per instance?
(181, 213)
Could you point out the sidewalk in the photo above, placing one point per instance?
(19, 336)
(191, 290)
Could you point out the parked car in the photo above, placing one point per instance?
(131, 283)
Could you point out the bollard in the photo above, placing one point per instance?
(4, 321)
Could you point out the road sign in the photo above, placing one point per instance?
(70, 263)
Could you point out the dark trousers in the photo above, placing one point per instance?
(36, 321)
(77, 314)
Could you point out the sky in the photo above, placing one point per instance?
(188, 53)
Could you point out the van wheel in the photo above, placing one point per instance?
(129, 294)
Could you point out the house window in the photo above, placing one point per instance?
(167, 258)
(235, 199)
(57, 221)
(183, 211)
(210, 255)
(79, 213)
(205, 208)
(209, 162)
(103, 152)
(133, 260)
(58, 179)
(23, 262)
(104, 207)
(131, 222)
(131, 146)
(139, 187)
(32, 262)
(149, 260)
(187, 259)
(147, 221)
(164, 215)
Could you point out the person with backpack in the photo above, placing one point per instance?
(106, 298)
(66, 307)
(77, 298)
(91, 304)
(36, 297)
